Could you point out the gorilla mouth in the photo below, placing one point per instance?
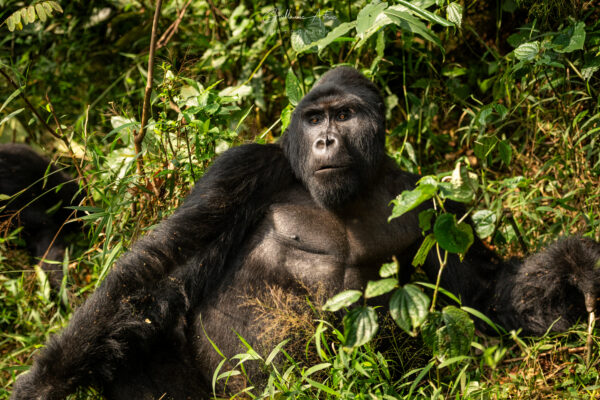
(331, 168)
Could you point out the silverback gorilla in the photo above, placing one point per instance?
(311, 210)
(39, 194)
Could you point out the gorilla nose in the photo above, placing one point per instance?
(325, 144)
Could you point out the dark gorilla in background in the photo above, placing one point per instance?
(39, 194)
(308, 212)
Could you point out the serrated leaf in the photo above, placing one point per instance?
(382, 286)
(454, 13)
(409, 308)
(485, 222)
(360, 326)
(527, 51)
(40, 12)
(459, 328)
(341, 300)
(452, 237)
(409, 199)
(292, 88)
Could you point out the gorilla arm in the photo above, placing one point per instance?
(148, 290)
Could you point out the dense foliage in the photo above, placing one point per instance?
(496, 102)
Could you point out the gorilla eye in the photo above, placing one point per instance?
(344, 115)
(314, 119)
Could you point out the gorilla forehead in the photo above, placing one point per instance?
(345, 82)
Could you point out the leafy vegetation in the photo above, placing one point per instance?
(496, 103)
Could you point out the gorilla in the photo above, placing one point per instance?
(308, 213)
(39, 193)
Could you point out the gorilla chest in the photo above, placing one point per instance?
(301, 242)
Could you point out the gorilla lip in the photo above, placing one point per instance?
(331, 168)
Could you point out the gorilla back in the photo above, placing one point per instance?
(307, 214)
(37, 187)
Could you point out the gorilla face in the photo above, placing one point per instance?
(336, 138)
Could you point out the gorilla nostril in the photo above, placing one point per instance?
(324, 143)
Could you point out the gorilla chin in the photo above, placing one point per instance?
(332, 187)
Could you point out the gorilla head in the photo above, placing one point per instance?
(335, 141)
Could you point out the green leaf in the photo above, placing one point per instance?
(24, 16)
(454, 13)
(286, 116)
(40, 12)
(460, 329)
(9, 116)
(485, 222)
(292, 88)
(505, 152)
(425, 218)
(409, 23)
(461, 186)
(453, 237)
(47, 8)
(409, 199)
(367, 16)
(342, 300)
(360, 326)
(336, 33)
(382, 286)
(570, 39)
(31, 13)
(10, 22)
(56, 6)
(427, 15)
(527, 51)
(409, 308)
(388, 269)
(424, 249)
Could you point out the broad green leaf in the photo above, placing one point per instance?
(425, 218)
(454, 13)
(342, 300)
(367, 16)
(409, 23)
(427, 15)
(410, 199)
(10, 22)
(409, 307)
(292, 88)
(452, 237)
(449, 333)
(527, 51)
(570, 39)
(336, 33)
(382, 286)
(388, 269)
(424, 249)
(24, 16)
(360, 326)
(485, 222)
(461, 186)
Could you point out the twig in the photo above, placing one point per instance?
(564, 349)
(29, 105)
(139, 137)
(172, 29)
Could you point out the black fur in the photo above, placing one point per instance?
(39, 194)
(309, 213)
